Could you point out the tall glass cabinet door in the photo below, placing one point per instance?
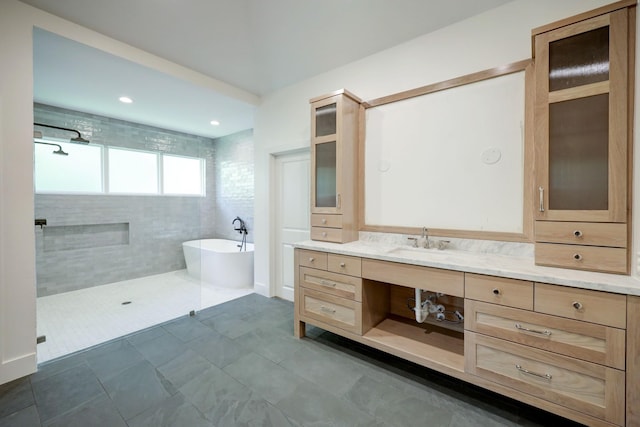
(325, 150)
(581, 128)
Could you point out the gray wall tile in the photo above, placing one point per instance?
(157, 225)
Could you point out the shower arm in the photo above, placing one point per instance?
(78, 139)
(59, 151)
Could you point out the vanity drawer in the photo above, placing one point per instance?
(345, 264)
(499, 290)
(326, 234)
(332, 283)
(586, 387)
(583, 340)
(326, 220)
(433, 279)
(612, 260)
(339, 312)
(581, 304)
(312, 259)
(582, 233)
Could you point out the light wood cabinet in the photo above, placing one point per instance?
(334, 161)
(583, 72)
(566, 350)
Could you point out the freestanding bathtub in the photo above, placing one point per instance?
(219, 262)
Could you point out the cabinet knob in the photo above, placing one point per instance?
(577, 305)
(312, 259)
(324, 234)
(577, 233)
(324, 220)
(496, 291)
(577, 257)
(342, 264)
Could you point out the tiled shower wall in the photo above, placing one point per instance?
(234, 183)
(91, 240)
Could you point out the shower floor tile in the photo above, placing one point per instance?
(80, 319)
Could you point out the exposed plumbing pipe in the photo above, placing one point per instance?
(421, 313)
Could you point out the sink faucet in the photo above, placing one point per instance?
(425, 237)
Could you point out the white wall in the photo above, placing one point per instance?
(496, 37)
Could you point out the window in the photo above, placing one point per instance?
(82, 168)
(132, 172)
(182, 175)
(125, 171)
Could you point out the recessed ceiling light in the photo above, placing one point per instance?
(214, 122)
(125, 100)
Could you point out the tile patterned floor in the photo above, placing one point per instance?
(238, 364)
(80, 319)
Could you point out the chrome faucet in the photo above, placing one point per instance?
(425, 237)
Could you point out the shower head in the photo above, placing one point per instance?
(59, 151)
(78, 140)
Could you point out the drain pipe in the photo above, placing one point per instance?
(421, 313)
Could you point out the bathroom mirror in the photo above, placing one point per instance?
(450, 156)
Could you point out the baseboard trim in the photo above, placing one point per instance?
(261, 288)
(18, 368)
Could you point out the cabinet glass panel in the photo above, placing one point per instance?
(326, 120)
(579, 154)
(326, 175)
(579, 60)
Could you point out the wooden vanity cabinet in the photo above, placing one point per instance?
(583, 74)
(334, 162)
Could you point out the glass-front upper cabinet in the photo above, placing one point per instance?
(581, 134)
(334, 171)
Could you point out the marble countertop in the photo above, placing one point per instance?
(515, 267)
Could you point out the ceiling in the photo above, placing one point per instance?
(258, 46)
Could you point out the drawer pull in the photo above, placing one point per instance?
(577, 233)
(342, 264)
(535, 374)
(324, 220)
(533, 331)
(577, 305)
(541, 207)
(327, 309)
(496, 291)
(577, 257)
(311, 259)
(324, 234)
(328, 283)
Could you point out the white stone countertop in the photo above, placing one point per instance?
(515, 267)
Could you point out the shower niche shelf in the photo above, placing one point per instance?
(84, 236)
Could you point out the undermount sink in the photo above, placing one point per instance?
(416, 252)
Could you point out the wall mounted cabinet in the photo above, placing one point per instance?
(582, 79)
(334, 159)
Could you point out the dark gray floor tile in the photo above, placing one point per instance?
(310, 405)
(186, 328)
(138, 388)
(113, 358)
(268, 379)
(26, 417)
(54, 367)
(335, 373)
(98, 412)
(253, 412)
(162, 349)
(184, 368)
(146, 335)
(477, 419)
(215, 393)
(368, 394)
(274, 346)
(405, 412)
(65, 391)
(172, 412)
(229, 325)
(15, 396)
(217, 348)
